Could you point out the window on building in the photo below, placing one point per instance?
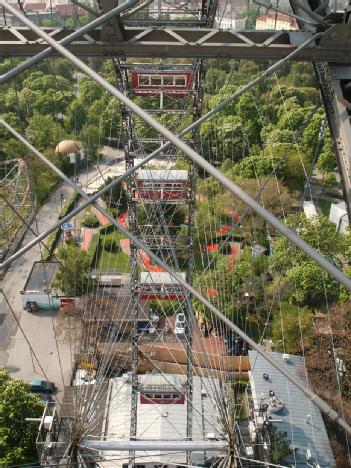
(144, 80)
(168, 81)
(157, 397)
(180, 81)
(156, 80)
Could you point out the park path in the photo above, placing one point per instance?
(54, 355)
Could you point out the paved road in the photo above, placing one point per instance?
(54, 355)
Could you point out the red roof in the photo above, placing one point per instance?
(222, 230)
(68, 9)
(35, 6)
(211, 292)
(278, 17)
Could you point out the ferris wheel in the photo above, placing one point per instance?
(168, 333)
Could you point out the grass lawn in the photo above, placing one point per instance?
(113, 260)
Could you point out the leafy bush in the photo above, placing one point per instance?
(54, 236)
(90, 220)
(110, 245)
(50, 244)
(69, 205)
(330, 179)
(93, 247)
(116, 197)
(107, 229)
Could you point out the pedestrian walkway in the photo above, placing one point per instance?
(87, 235)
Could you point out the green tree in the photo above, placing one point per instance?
(302, 74)
(43, 131)
(89, 91)
(280, 447)
(247, 110)
(326, 160)
(330, 179)
(223, 94)
(251, 14)
(116, 197)
(310, 284)
(259, 165)
(38, 81)
(73, 275)
(230, 137)
(11, 103)
(277, 135)
(91, 139)
(90, 220)
(215, 79)
(318, 231)
(12, 119)
(17, 437)
(76, 116)
(110, 119)
(310, 135)
(27, 99)
(64, 68)
(291, 117)
(289, 324)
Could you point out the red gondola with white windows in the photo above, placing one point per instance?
(171, 83)
(162, 185)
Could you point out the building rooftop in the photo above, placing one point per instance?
(165, 421)
(112, 308)
(41, 276)
(159, 278)
(299, 418)
(276, 16)
(165, 174)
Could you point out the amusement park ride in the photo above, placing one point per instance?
(170, 88)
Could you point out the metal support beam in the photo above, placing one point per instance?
(228, 184)
(195, 157)
(152, 445)
(322, 405)
(128, 140)
(330, 77)
(155, 153)
(73, 36)
(333, 46)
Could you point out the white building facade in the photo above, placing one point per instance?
(338, 216)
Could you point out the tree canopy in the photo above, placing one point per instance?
(73, 275)
(17, 437)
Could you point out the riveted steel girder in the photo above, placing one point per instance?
(168, 42)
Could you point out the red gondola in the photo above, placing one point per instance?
(151, 83)
(162, 185)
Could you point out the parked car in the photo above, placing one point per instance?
(179, 328)
(143, 326)
(42, 386)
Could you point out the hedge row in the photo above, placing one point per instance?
(107, 229)
(51, 242)
(52, 239)
(93, 249)
(69, 205)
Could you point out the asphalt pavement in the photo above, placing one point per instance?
(51, 358)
